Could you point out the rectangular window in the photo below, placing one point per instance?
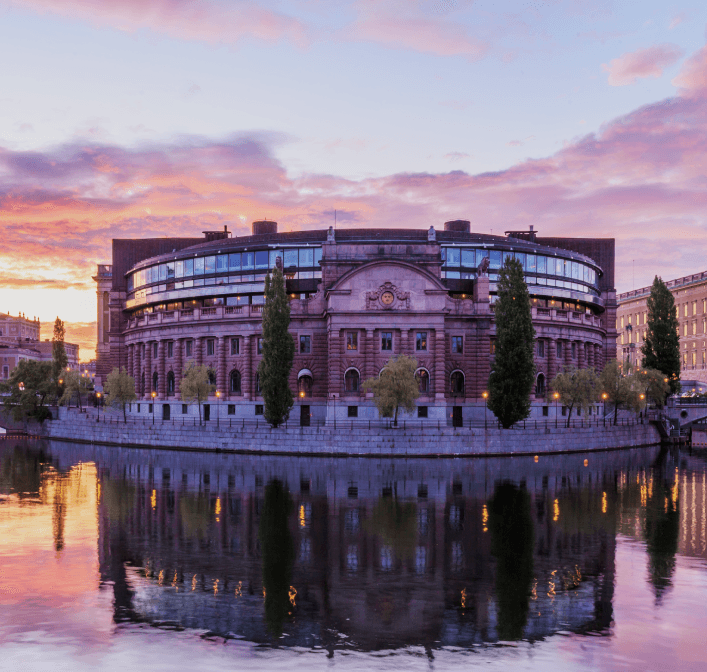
(258, 409)
(199, 266)
(222, 263)
(387, 340)
(291, 259)
(352, 340)
(452, 256)
(457, 344)
(235, 346)
(234, 262)
(574, 351)
(231, 409)
(564, 410)
(541, 348)
(306, 258)
(260, 346)
(422, 411)
(210, 347)
(149, 408)
(684, 329)
(421, 341)
(694, 328)
(189, 348)
(353, 411)
(247, 261)
(305, 344)
(622, 321)
(559, 349)
(469, 258)
(546, 411)
(542, 264)
(493, 348)
(185, 409)
(495, 259)
(170, 349)
(154, 350)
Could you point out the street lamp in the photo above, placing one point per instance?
(22, 387)
(485, 395)
(604, 397)
(218, 397)
(556, 397)
(98, 405)
(154, 394)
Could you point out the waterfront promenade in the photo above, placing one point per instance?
(357, 439)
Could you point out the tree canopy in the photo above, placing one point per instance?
(661, 347)
(59, 358)
(578, 388)
(28, 387)
(73, 384)
(278, 351)
(513, 374)
(195, 385)
(120, 389)
(395, 388)
(620, 387)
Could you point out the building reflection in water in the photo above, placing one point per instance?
(376, 554)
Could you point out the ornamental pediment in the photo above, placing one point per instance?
(388, 297)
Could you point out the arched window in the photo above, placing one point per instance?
(170, 382)
(540, 384)
(457, 382)
(304, 385)
(234, 382)
(155, 379)
(212, 377)
(351, 380)
(423, 380)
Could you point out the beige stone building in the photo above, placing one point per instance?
(690, 294)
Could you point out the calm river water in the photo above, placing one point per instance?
(115, 559)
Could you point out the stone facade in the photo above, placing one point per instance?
(366, 296)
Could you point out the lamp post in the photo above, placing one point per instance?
(485, 395)
(154, 394)
(218, 414)
(98, 405)
(556, 397)
(604, 397)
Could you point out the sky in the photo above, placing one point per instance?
(149, 118)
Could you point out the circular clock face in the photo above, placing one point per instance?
(387, 298)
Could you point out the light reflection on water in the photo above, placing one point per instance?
(170, 560)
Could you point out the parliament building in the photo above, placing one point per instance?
(358, 297)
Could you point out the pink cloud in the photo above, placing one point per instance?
(207, 20)
(692, 79)
(635, 65)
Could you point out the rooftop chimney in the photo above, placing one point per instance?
(264, 226)
(458, 225)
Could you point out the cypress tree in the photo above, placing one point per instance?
(59, 358)
(513, 372)
(661, 348)
(278, 351)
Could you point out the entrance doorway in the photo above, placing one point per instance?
(207, 412)
(457, 417)
(304, 416)
(165, 412)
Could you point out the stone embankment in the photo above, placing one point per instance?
(356, 441)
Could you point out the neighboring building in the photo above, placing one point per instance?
(19, 339)
(358, 297)
(690, 294)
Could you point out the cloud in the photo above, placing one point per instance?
(207, 20)
(519, 143)
(692, 79)
(677, 20)
(457, 156)
(635, 65)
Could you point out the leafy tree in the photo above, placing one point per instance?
(511, 380)
(653, 384)
(396, 387)
(59, 358)
(195, 384)
(73, 384)
(661, 347)
(278, 552)
(28, 387)
(120, 389)
(621, 388)
(278, 351)
(577, 389)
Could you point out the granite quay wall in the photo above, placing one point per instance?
(359, 441)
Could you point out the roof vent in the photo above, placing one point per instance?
(264, 226)
(216, 235)
(458, 225)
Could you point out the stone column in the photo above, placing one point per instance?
(590, 355)
(334, 363)
(198, 351)
(440, 382)
(248, 377)
(551, 359)
(178, 365)
(568, 353)
(148, 369)
(221, 374)
(581, 363)
(131, 355)
(161, 369)
(135, 373)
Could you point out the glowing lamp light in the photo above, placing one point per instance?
(485, 395)
(301, 394)
(22, 387)
(605, 396)
(556, 395)
(218, 394)
(154, 394)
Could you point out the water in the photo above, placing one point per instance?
(158, 560)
